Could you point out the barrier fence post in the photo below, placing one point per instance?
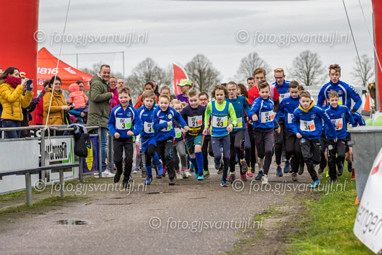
(61, 183)
(99, 153)
(28, 187)
(81, 170)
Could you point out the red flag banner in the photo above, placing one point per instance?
(377, 10)
(179, 74)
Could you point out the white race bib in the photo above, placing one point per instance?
(148, 127)
(219, 122)
(283, 96)
(194, 122)
(165, 129)
(178, 133)
(267, 116)
(307, 126)
(341, 123)
(239, 122)
(123, 123)
(290, 118)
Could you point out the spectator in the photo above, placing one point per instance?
(54, 106)
(113, 88)
(12, 99)
(148, 86)
(185, 86)
(81, 85)
(120, 83)
(99, 109)
(40, 105)
(155, 87)
(77, 98)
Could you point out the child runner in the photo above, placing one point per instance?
(287, 107)
(220, 110)
(307, 121)
(263, 116)
(241, 107)
(193, 114)
(282, 87)
(179, 147)
(123, 124)
(339, 115)
(163, 125)
(148, 138)
(207, 148)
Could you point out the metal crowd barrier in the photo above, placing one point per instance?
(42, 168)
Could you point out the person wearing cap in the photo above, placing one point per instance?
(185, 86)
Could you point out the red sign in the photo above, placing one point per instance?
(179, 74)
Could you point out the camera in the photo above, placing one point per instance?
(71, 106)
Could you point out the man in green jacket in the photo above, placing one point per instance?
(99, 109)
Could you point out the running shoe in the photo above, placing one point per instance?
(279, 171)
(286, 167)
(258, 177)
(243, 177)
(264, 180)
(231, 177)
(148, 180)
(244, 167)
(315, 184)
(206, 173)
(224, 183)
(294, 177)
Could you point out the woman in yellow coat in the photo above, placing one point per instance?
(12, 99)
(58, 106)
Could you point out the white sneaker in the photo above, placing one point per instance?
(264, 180)
(107, 174)
(179, 176)
(187, 173)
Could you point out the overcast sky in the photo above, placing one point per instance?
(224, 31)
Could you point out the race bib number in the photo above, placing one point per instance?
(340, 123)
(267, 116)
(148, 127)
(194, 122)
(239, 123)
(290, 118)
(165, 129)
(178, 133)
(307, 126)
(219, 122)
(283, 96)
(123, 123)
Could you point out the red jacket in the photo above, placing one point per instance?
(253, 93)
(40, 109)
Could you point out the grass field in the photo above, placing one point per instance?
(327, 226)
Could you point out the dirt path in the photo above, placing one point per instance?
(189, 218)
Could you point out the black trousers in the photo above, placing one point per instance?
(149, 154)
(264, 143)
(280, 141)
(120, 145)
(293, 149)
(311, 153)
(236, 148)
(252, 138)
(206, 149)
(164, 150)
(335, 148)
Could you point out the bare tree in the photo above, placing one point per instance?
(249, 64)
(202, 73)
(145, 71)
(308, 69)
(364, 72)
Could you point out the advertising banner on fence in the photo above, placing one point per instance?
(368, 223)
(90, 163)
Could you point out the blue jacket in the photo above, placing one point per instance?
(309, 123)
(241, 106)
(147, 118)
(161, 118)
(283, 91)
(264, 111)
(287, 107)
(346, 94)
(122, 121)
(342, 114)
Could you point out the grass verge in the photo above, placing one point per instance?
(328, 223)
